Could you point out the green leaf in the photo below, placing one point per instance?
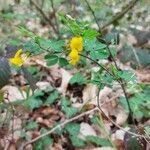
(72, 128)
(127, 75)
(26, 32)
(65, 102)
(74, 26)
(32, 47)
(89, 44)
(136, 56)
(99, 46)
(34, 101)
(77, 78)
(98, 141)
(43, 142)
(51, 59)
(57, 45)
(15, 42)
(70, 111)
(77, 142)
(31, 125)
(47, 140)
(90, 33)
(95, 120)
(147, 130)
(99, 54)
(63, 62)
(54, 45)
(24, 135)
(132, 142)
(139, 104)
(67, 109)
(52, 98)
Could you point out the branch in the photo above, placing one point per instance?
(121, 14)
(54, 13)
(43, 15)
(129, 132)
(93, 13)
(58, 127)
(120, 81)
(100, 65)
(77, 117)
(130, 118)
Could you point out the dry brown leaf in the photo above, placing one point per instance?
(66, 76)
(85, 130)
(43, 85)
(13, 93)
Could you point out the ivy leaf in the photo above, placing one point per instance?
(24, 135)
(72, 128)
(34, 101)
(67, 109)
(52, 97)
(43, 142)
(139, 104)
(51, 59)
(98, 141)
(31, 125)
(47, 140)
(77, 142)
(132, 142)
(77, 78)
(70, 111)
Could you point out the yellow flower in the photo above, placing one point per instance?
(19, 58)
(76, 43)
(74, 57)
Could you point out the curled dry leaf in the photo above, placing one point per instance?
(90, 93)
(66, 76)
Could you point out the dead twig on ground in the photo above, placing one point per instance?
(59, 127)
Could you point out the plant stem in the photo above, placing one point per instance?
(93, 13)
(130, 118)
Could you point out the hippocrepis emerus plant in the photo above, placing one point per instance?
(83, 47)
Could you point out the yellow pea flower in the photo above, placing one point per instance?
(76, 43)
(74, 57)
(19, 58)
